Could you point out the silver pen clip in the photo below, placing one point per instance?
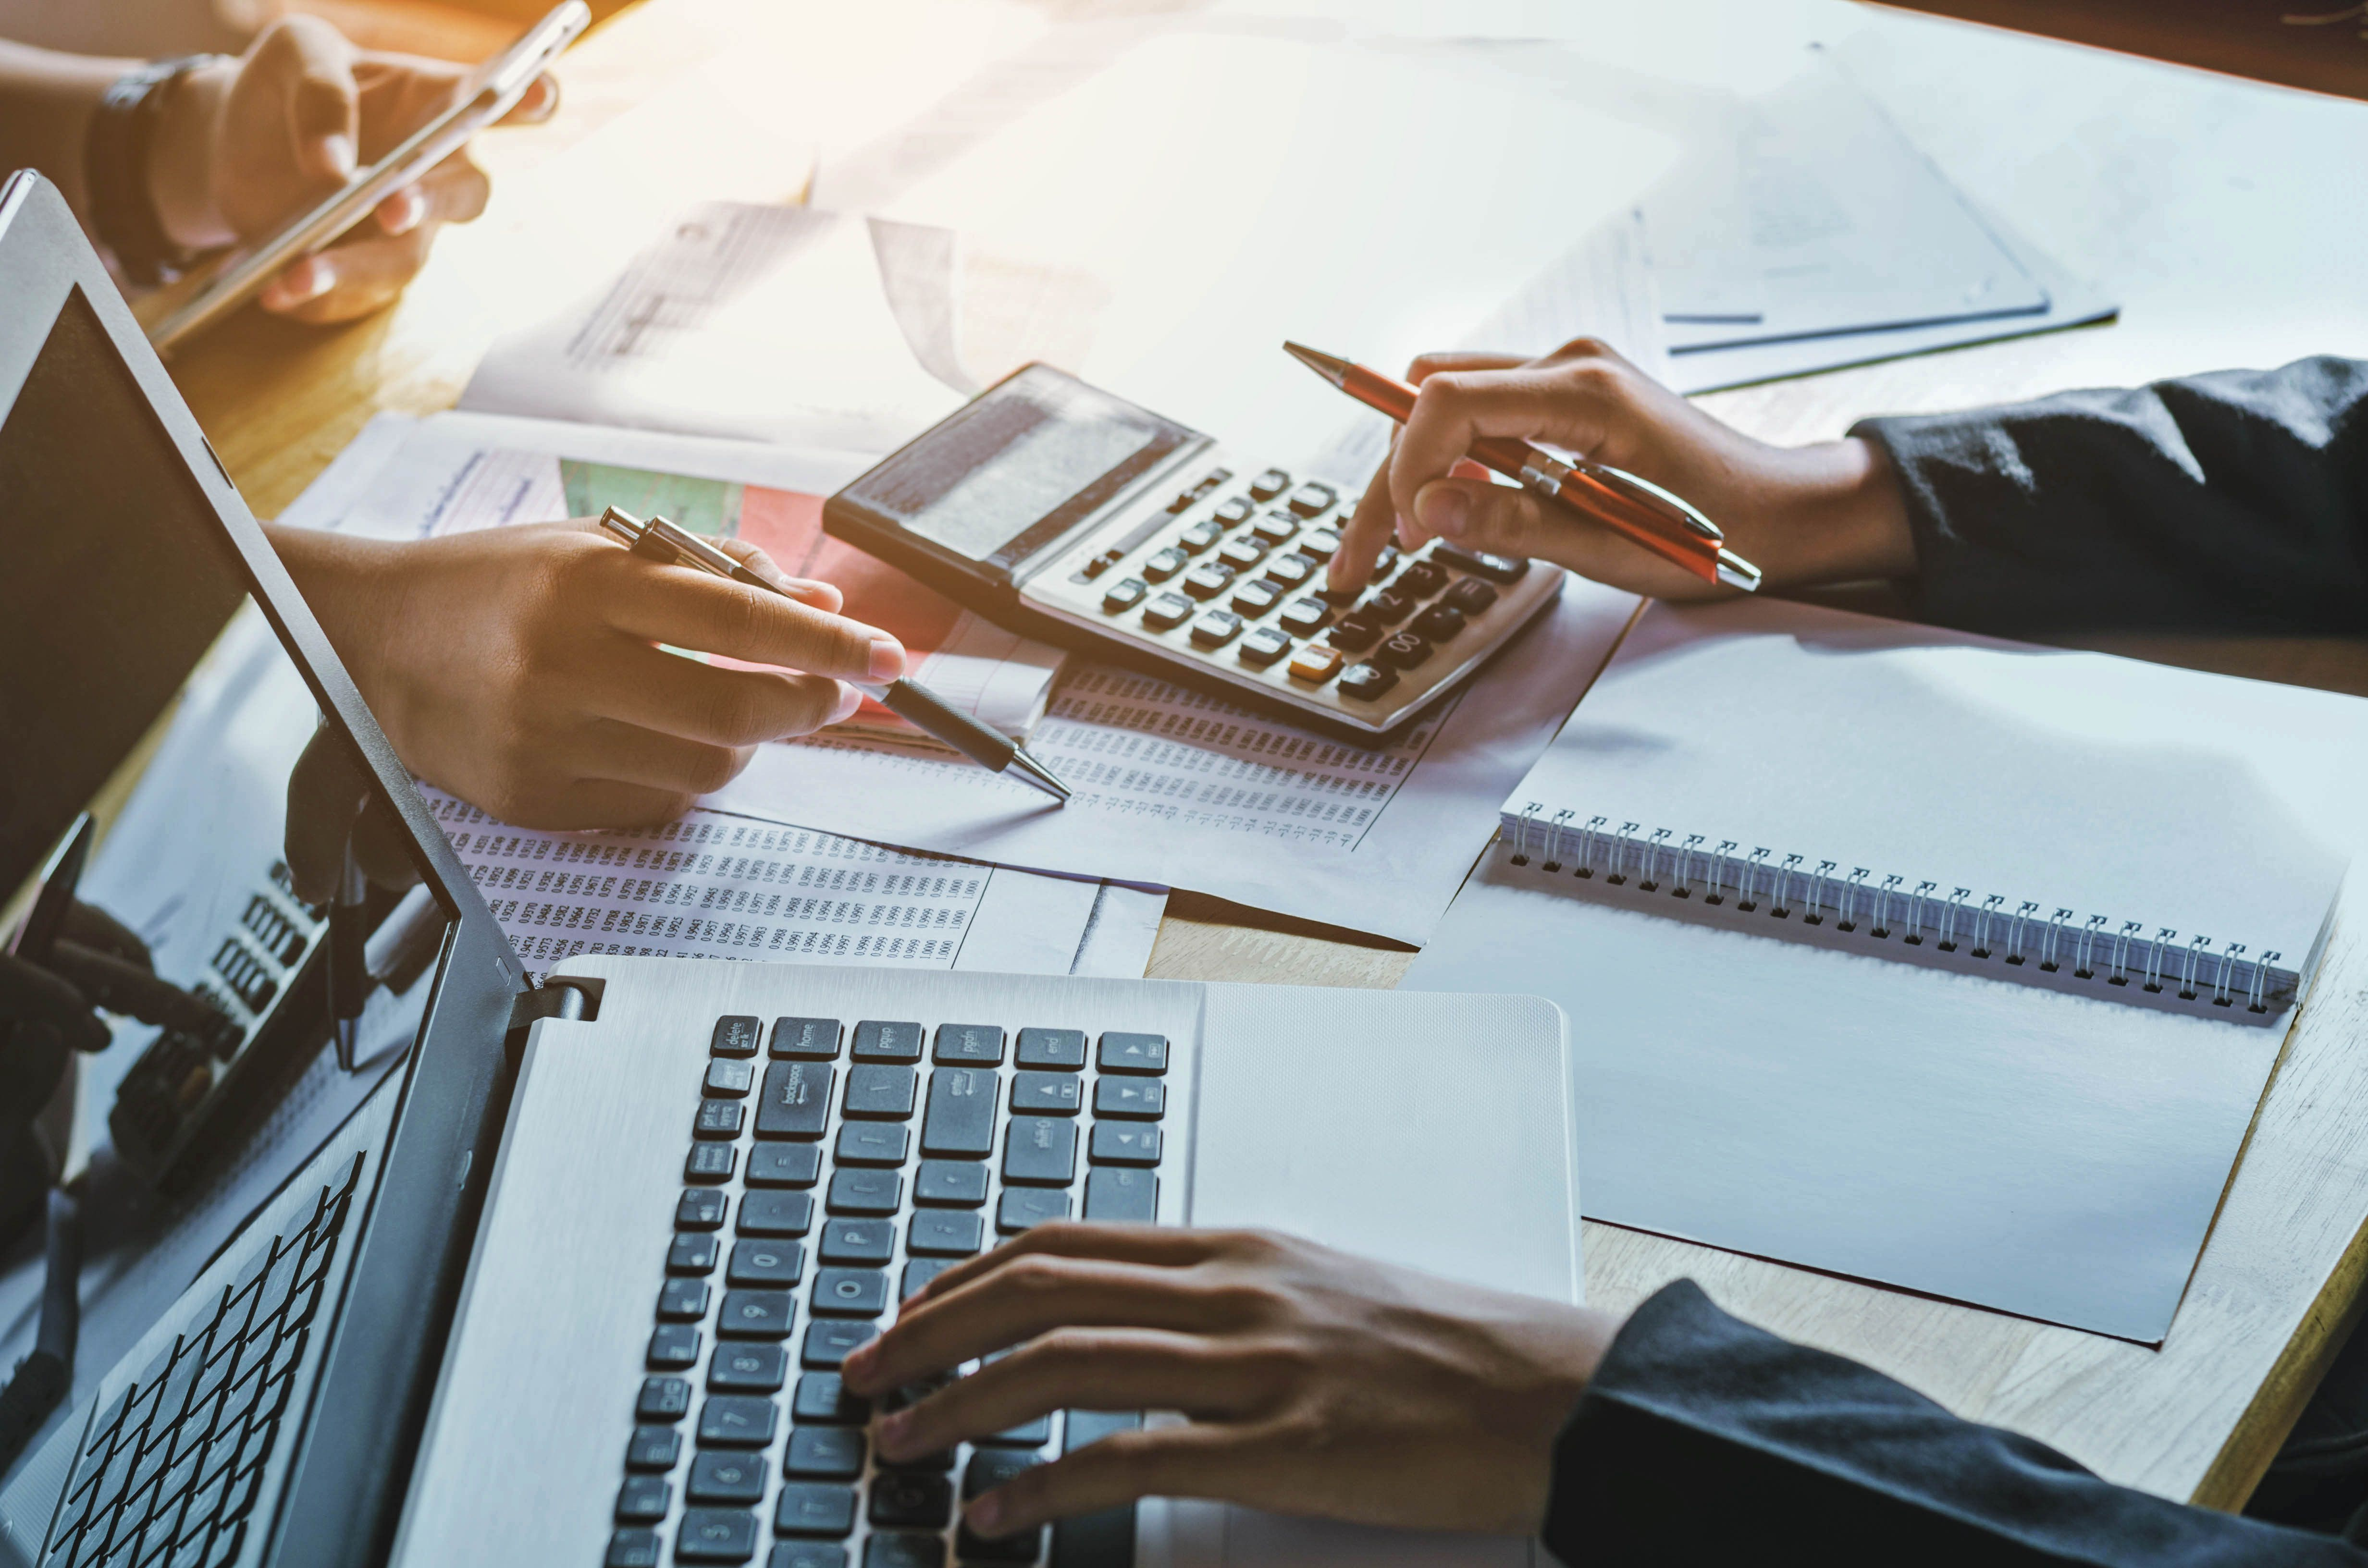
(1651, 496)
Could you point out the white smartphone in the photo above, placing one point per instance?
(492, 93)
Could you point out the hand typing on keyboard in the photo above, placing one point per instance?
(1313, 1382)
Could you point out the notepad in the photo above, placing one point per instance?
(1931, 1115)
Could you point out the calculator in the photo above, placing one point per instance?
(1055, 509)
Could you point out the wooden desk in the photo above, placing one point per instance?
(2224, 216)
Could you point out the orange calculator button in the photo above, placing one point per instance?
(1316, 666)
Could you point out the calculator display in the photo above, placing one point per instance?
(1018, 468)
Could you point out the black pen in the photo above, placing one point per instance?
(659, 540)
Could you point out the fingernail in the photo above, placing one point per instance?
(887, 659)
(308, 279)
(1444, 510)
(405, 208)
(849, 700)
(337, 152)
(985, 1514)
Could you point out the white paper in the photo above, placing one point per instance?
(2016, 1149)
(711, 885)
(2193, 805)
(1177, 789)
(778, 323)
(454, 473)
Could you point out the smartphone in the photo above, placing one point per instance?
(492, 93)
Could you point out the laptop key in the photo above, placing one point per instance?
(903, 1550)
(755, 1314)
(849, 1292)
(682, 1301)
(733, 1035)
(865, 1192)
(952, 1184)
(692, 1254)
(795, 1101)
(736, 1420)
(919, 1272)
(1034, 1434)
(829, 1453)
(990, 1468)
(873, 1142)
(777, 1264)
(784, 1165)
(1046, 1094)
(881, 1092)
(805, 1554)
(643, 1500)
(878, 1041)
(1124, 1053)
(1057, 1049)
(711, 1163)
(747, 1368)
(961, 1117)
(828, 1341)
(654, 1448)
(1117, 1143)
(1023, 1207)
(773, 1213)
(912, 1500)
(944, 1232)
(968, 1045)
(822, 1399)
(673, 1348)
(1120, 1196)
(1041, 1150)
(698, 1209)
(628, 1548)
(732, 1080)
(813, 1508)
(813, 1040)
(715, 1535)
(719, 1118)
(663, 1401)
(1141, 1099)
(719, 1475)
(864, 1243)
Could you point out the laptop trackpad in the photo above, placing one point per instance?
(1430, 1135)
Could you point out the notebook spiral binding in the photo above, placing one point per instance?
(1890, 908)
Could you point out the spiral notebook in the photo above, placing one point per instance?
(1952, 964)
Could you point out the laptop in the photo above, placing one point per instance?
(572, 1285)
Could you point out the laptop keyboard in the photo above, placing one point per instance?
(169, 1474)
(831, 1171)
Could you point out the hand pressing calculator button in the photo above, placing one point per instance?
(1124, 595)
(1254, 599)
(1207, 582)
(1366, 682)
(1311, 498)
(1168, 611)
(1269, 484)
(1263, 647)
(1316, 666)
(1165, 565)
(1304, 618)
(1215, 629)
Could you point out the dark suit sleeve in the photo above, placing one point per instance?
(2235, 502)
(1704, 1440)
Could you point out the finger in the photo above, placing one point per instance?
(94, 927)
(1503, 520)
(645, 686)
(670, 764)
(1215, 1461)
(321, 100)
(806, 590)
(351, 279)
(400, 213)
(455, 190)
(1078, 1368)
(1117, 1244)
(1457, 408)
(130, 989)
(1426, 366)
(381, 846)
(30, 993)
(539, 104)
(325, 793)
(692, 609)
(1368, 529)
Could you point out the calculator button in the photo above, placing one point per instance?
(1089, 571)
(1165, 565)
(1242, 554)
(1304, 618)
(1210, 482)
(1124, 595)
(1215, 629)
(1469, 597)
(1498, 569)
(1263, 647)
(1167, 612)
(1405, 650)
(1355, 634)
(1311, 498)
(1321, 544)
(1275, 527)
(1254, 599)
(1316, 666)
(1437, 624)
(1366, 682)
(1290, 571)
(1422, 579)
(1208, 581)
(1234, 513)
(1269, 484)
(1198, 537)
(1388, 607)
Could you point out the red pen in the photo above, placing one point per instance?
(1642, 511)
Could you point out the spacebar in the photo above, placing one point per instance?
(1095, 1540)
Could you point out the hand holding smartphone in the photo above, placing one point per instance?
(483, 97)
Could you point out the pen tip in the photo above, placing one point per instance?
(1331, 366)
(1036, 773)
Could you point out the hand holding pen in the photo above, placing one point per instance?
(1807, 514)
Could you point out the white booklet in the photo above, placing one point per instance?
(1932, 1116)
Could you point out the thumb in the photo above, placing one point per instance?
(1480, 516)
(322, 101)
